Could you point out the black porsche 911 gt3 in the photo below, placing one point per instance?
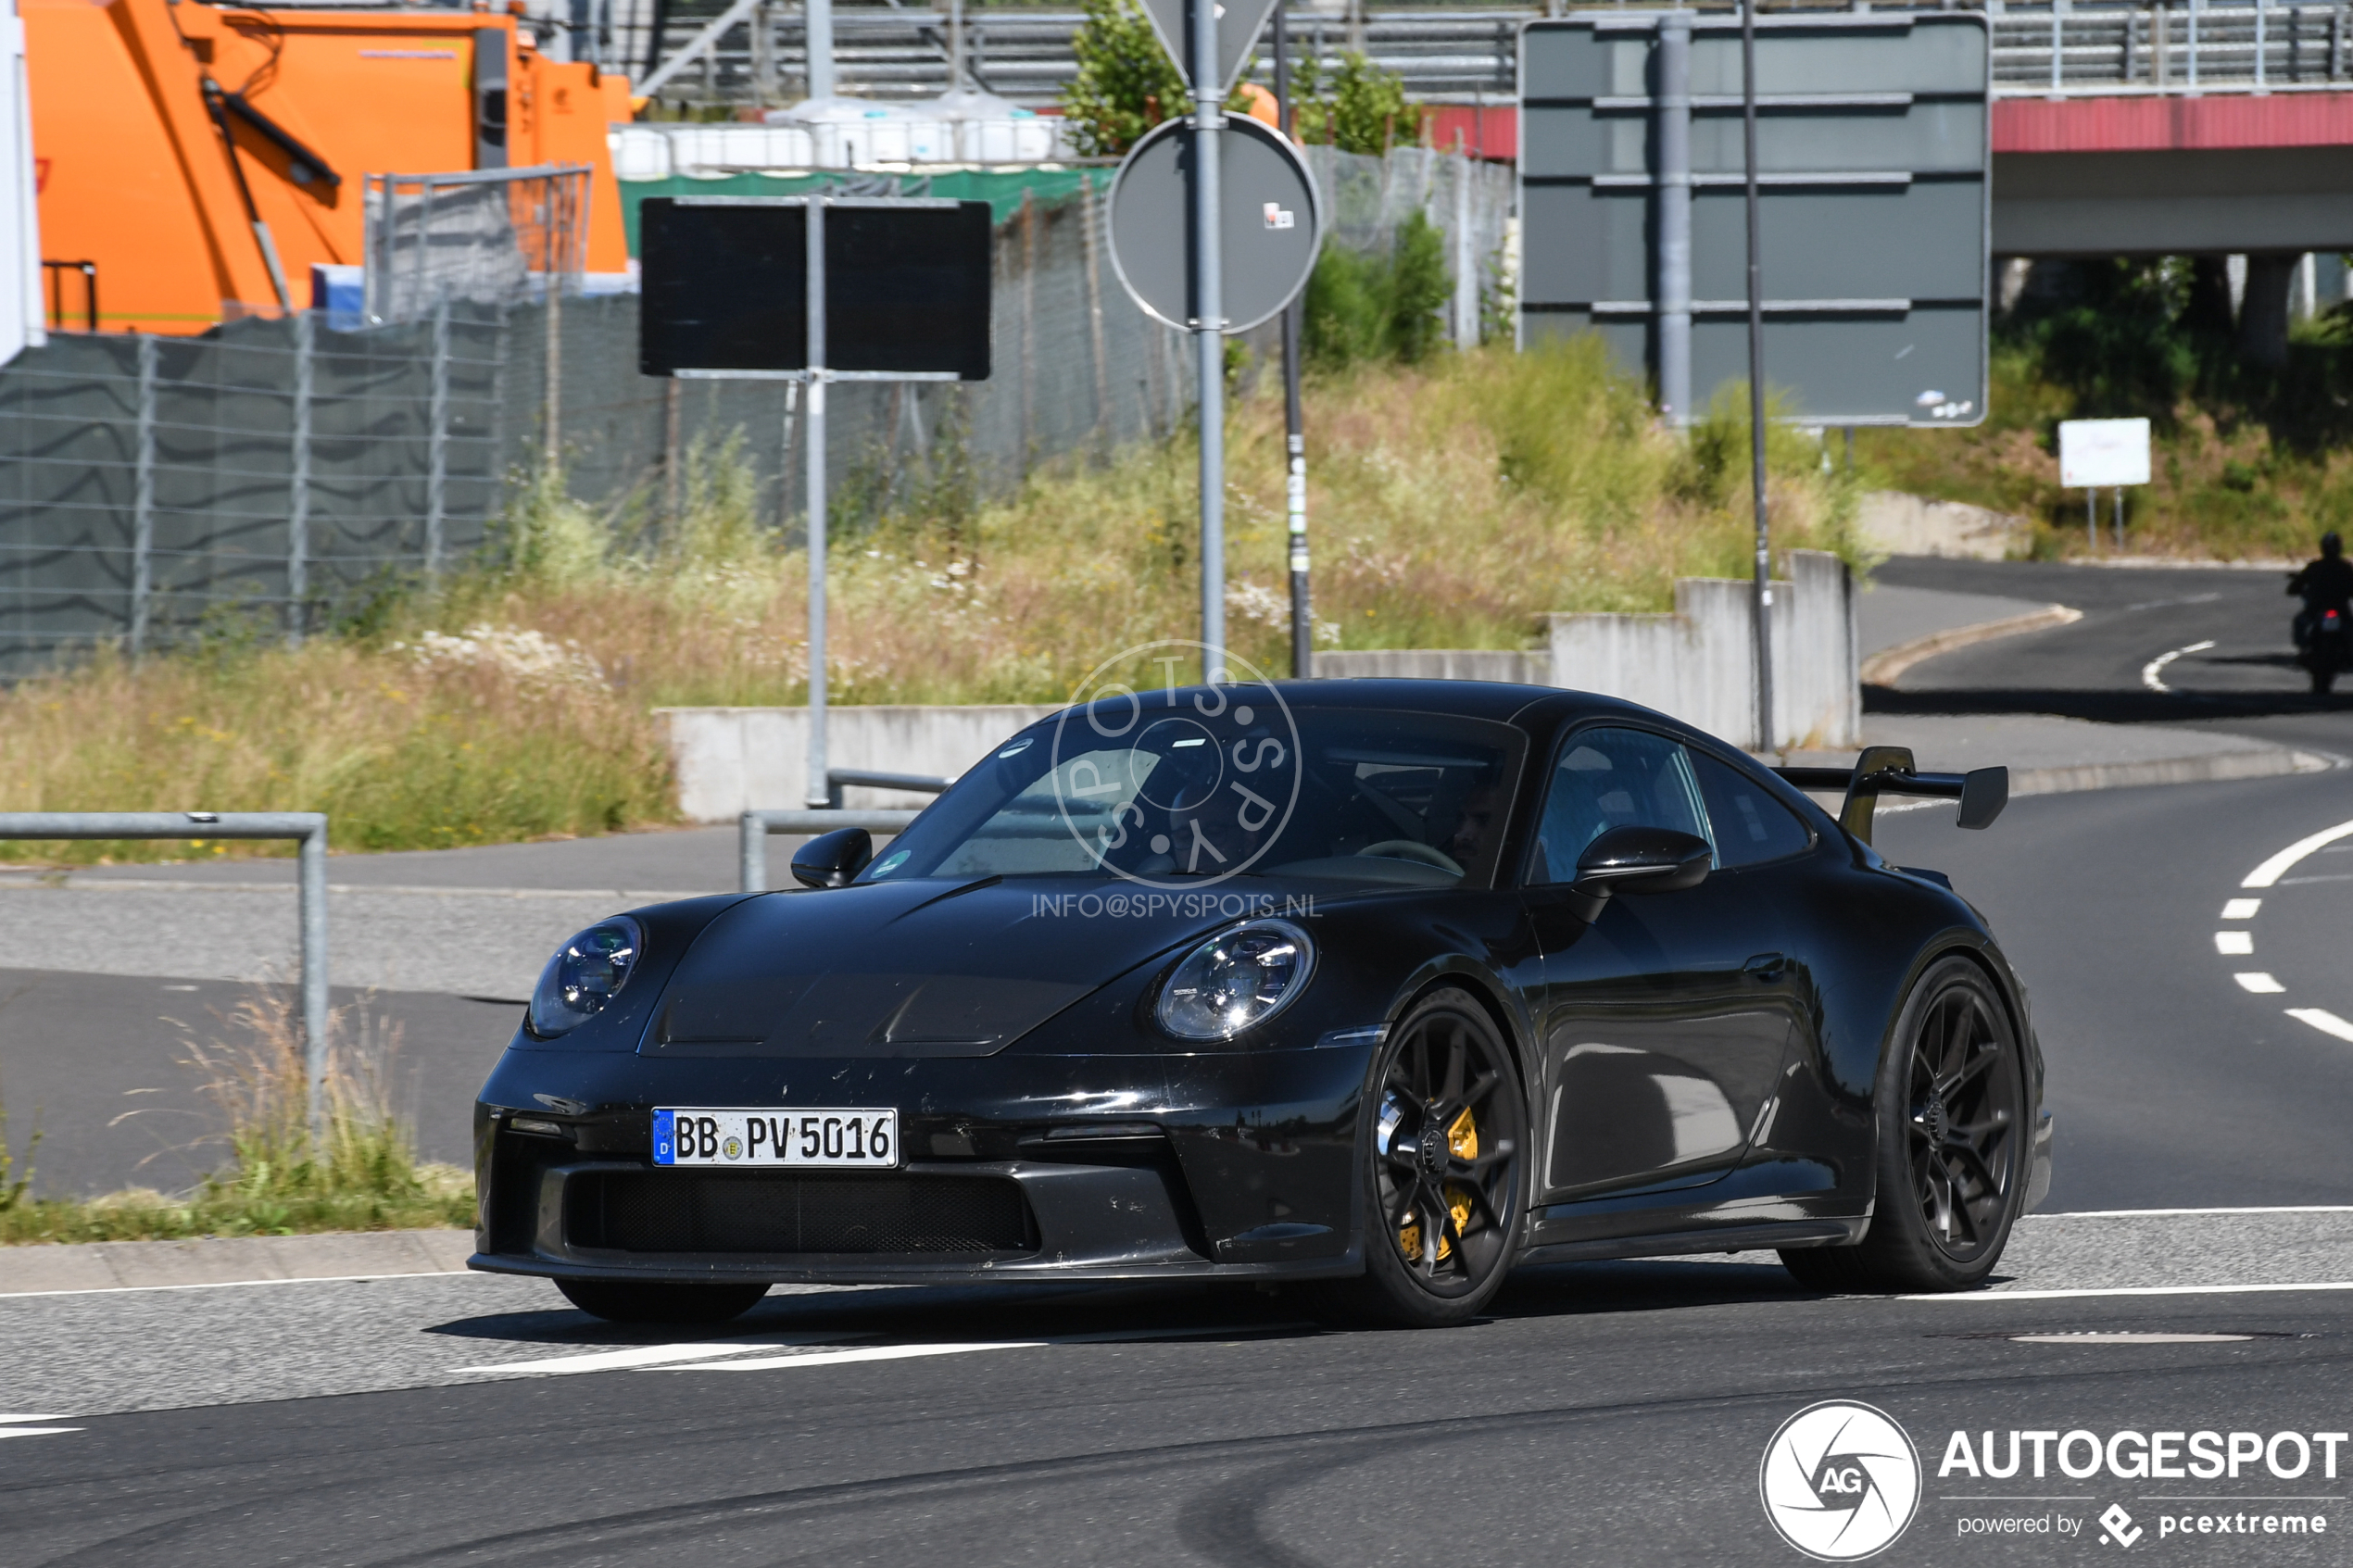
(1376, 986)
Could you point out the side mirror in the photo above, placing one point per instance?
(830, 860)
(1637, 859)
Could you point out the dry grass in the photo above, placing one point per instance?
(1452, 504)
(361, 1173)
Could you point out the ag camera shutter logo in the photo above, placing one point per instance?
(1841, 1481)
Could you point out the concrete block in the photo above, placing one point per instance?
(730, 760)
(1438, 664)
(1893, 524)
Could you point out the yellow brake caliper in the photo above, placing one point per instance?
(1462, 1138)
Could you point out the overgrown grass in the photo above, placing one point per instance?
(361, 1173)
(2247, 462)
(1453, 503)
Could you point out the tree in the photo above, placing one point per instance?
(1361, 108)
(1125, 83)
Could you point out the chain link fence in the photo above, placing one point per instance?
(272, 473)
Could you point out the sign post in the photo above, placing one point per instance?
(2096, 455)
(1209, 44)
(816, 289)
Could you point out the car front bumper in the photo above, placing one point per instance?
(1238, 1165)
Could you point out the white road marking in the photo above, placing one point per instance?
(2325, 1021)
(2259, 982)
(2235, 942)
(2153, 672)
(2128, 1291)
(652, 1355)
(2175, 1213)
(11, 1419)
(866, 1353)
(2241, 908)
(2130, 1338)
(2270, 870)
(242, 1283)
(13, 1426)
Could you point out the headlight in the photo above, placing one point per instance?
(586, 974)
(1237, 980)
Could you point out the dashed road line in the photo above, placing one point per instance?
(2325, 1021)
(17, 1426)
(1998, 1295)
(2153, 672)
(2270, 870)
(2234, 943)
(2241, 908)
(2259, 982)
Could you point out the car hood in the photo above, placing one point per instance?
(917, 969)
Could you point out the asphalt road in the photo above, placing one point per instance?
(1604, 1413)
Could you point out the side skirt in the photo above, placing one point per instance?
(1721, 1238)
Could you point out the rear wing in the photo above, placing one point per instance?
(1889, 769)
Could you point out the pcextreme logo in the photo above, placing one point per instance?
(1840, 1481)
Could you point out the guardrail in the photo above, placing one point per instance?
(752, 841)
(1462, 54)
(307, 828)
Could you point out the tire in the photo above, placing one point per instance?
(645, 1302)
(1955, 1147)
(1444, 1067)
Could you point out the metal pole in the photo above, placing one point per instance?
(552, 403)
(1675, 218)
(1766, 739)
(1302, 603)
(2194, 11)
(956, 46)
(298, 494)
(1466, 254)
(2120, 517)
(751, 853)
(437, 443)
(313, 871)
(1209, 337)
(818, 20)
(1087, 220)
(818, 790)
(2092, 518)
(2260, 18)
(2057, 69)
(142, 500)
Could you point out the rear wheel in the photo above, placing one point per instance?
(1953, 1148)
(650, 1301)
(1442, 1171)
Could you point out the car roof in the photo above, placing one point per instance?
(1502, 701)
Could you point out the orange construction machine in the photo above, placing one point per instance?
(194, 160)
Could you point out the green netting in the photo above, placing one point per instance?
(1001, 189)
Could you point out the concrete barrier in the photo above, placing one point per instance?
(730, 760)
(1696, 664)
(1893, 524)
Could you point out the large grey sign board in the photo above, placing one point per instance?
(1239, 25)
(1873, 153)
(1271, 221)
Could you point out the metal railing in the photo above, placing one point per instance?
(307, 828)
(1466, 55)
(490, 236)
(752, 840)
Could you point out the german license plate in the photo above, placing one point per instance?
(837, 1139)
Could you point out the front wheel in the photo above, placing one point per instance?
(650, 1301)
(1954, 1155)
(1442, 1171)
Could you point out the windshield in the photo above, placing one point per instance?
(1165, 790)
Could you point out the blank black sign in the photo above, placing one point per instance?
(725, 286)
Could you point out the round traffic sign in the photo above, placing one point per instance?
(1270, 222)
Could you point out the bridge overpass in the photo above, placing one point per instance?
(2120, 127)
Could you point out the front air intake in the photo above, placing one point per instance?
(781, 1213)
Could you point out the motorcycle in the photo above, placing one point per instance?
(2323, 647)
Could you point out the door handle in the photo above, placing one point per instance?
(1766, 967)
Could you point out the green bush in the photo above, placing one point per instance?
(1361, 108)
(1374, 308)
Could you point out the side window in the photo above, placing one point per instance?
(1610, 778)
(1751, 826)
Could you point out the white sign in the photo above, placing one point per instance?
(20, 275)
(2095, 453)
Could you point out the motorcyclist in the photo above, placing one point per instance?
(2325, 585)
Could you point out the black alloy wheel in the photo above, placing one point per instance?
(655, 1301)
(1953, 1157)
(1443, 1170)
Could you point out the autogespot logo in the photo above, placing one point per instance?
(1171, 789)
(1840, 1481)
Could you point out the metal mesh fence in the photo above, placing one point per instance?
(492, 236)
(271, 470)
